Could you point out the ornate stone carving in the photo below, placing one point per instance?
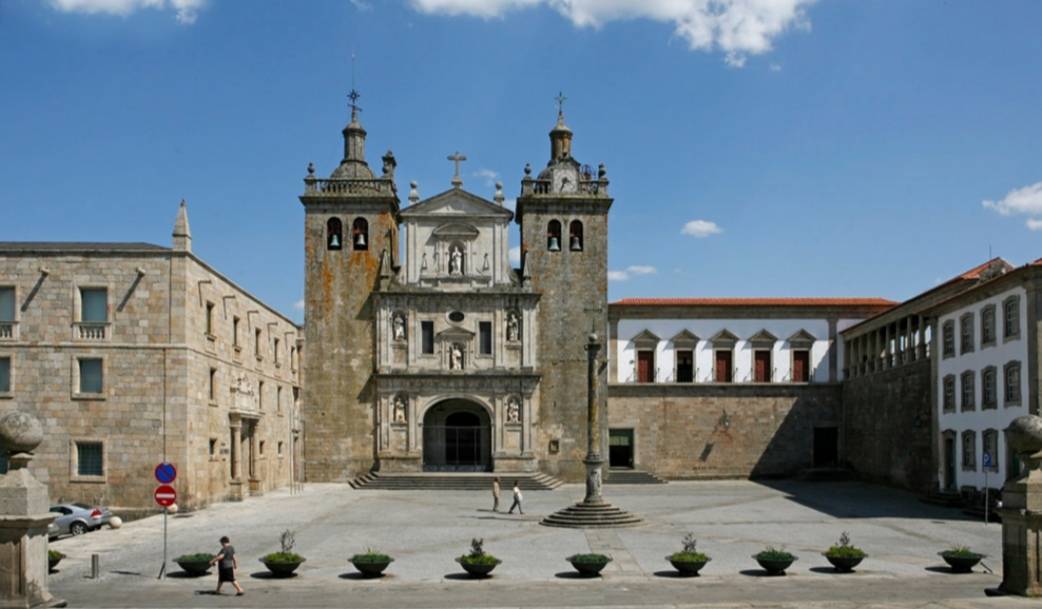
(513, 326)
(243, 393)
(456, 260)
(399, 413)
(398, 326)
(513, 413)
(20, 432)
(456, 356)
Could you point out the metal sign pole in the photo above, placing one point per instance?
(986, 502)
(162, 569)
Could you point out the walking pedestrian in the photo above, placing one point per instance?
(495, 494)
(517, 499)
(227, 564)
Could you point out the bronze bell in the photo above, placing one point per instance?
(577, 245)
(555, 245)
(360, 240)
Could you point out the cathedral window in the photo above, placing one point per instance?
(575, 236)
(334, 234)
(360, 234)
(553, 236)
(427, 336)
(485, 333)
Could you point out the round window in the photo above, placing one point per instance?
(456, 316)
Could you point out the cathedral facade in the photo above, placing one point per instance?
(450, 359)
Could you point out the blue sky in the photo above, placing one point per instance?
(836, 147)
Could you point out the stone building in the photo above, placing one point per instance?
(452, 359)
(130, 353)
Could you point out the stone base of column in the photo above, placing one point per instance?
(602, 515)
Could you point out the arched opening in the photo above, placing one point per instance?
(360, 234)
(334, 234)
(575, 236)
(553, 236)
(457, 436)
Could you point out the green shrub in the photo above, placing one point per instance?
(283, 558)
(200, 557)
(371, 557)
(54, 555)
(690, 552)
(477, 555)
(962, 552)
(588, 559)
(844, 549)
(772, 553)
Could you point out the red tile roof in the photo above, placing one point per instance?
(758, 302)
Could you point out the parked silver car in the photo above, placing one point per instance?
(77, 519)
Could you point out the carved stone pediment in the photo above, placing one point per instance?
(802, 338)
(455, 334)
(457, 202)
(456, 230)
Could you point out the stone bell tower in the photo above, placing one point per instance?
(563, 214)
(350, 238)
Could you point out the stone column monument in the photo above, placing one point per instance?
(24, 517)
(1022, 511)
(593, 510)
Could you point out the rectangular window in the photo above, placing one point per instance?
(968, 391)
(1011, 372)
(89, 460)
(235, 332)
(257, 343)
(213, 447)
(1011, 317)
(685, 366)
(5, 375)
(989, 390)
(280, 448)
(260, 395)
(969, 450)
(485, 330)
(94, 305)
(966, 333)
(6, 304)
(948, 335)
(293, 359)
(213, 385)
(645, 366)
(260, 447)
(427, 332)
(91, 379)
(987, 325)
(278, 399)
(762, 366)
(209, 319)
(990, 441)
(801, 366)
(275, 348)
(723, 370)
(949, 394)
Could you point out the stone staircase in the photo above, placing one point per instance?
(581, 515)
(451, 481)
(632, 476)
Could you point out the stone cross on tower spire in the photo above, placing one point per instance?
(456, 157)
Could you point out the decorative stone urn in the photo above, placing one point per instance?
(24, 517)
(1022, 511)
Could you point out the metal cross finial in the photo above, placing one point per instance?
(560, 99)
(456, 157)
(355, 109)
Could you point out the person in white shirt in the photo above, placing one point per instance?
(517, 499)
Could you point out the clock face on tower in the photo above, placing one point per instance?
(566, 181)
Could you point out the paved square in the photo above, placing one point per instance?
(425, 530)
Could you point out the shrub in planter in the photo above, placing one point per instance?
(286, 561)
(195, 564)
(844, 556)
(371, 564)
(478, 563)
(53, 558)
(689, 561)
(773, 560)
(589, 565)
(961, 559)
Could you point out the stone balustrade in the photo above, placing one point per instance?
(545, 187)
(92, 330)
(8, 330)
(318, 187)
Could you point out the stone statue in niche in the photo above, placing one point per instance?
(399, 415)
(513, 410)
(423, 262)
(398, 326)
(456, 357)
(485, 266)
(456, 261)
(513, 326)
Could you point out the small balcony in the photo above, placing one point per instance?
(92, 330)
(8, 330)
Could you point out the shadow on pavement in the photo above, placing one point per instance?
(186, 575)
(846, 499)
(355, 575)
(671, 574)
(575, 575)
(760, 573)
(268, 575)
(466, 577)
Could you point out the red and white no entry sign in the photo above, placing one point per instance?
(165, 495)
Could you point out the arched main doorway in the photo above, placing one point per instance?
(457, 436)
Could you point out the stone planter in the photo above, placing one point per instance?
(961, 563)
(371, 569)
(587, 568)
(844, 564)
(52, 561)
(478, 570)
(194, 568)
(687, 568)
(775, 566)
(281, 568)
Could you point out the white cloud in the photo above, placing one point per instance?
(635, 269)
(737, 28)
(701, 229)
(515, 256)
(186, 11)
(1034, 224)
(487, 175)
(362, 5)
(299, 305)
(774, 67)
(617, 276)
(1026, 200)
(510, 203)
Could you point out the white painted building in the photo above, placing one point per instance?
(981, 378)
(733, 340)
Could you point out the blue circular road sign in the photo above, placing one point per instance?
(166, 473)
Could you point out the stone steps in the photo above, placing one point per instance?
(632, 476)
(582, 515)
(445, 481)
